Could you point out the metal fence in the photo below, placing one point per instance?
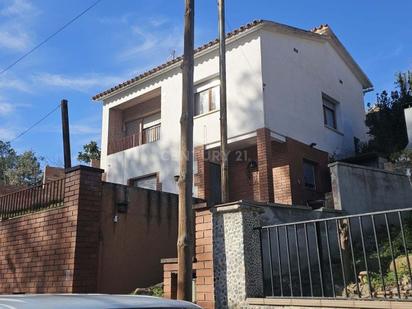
(33, 199)
(357, 256)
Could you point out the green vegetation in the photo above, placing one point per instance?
(385, 254)
(91, 151)
(18, 169)
(155, 290)
(386, 120)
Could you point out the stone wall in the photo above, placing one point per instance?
(236, 254)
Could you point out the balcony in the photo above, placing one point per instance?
(145, 136)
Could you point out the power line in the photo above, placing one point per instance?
(50, 36)
(35, 124)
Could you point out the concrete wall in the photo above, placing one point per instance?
(131, 248)
(294, 82)
(358, 189)
(408, 121)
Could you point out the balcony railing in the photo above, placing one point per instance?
(148, 135)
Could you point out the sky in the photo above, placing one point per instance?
(117, 40)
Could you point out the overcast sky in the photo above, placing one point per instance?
(117, 39)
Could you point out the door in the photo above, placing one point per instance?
(214, 184)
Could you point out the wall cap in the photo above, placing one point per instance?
(326, 303)
(237, 206)
(362, 167)
(168, 261)
(83, 168)
(200, 206)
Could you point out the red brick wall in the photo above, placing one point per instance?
(264, 156)
(37, 252)
(170, 278)
(249, 185)
(204, 259)
(203, 267)
(201, 178)
(296, 153)
(53, 251)
(281, 185)
(86, 191)
(243, 184)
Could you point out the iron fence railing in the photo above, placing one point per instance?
(357, 256)
(48, 195)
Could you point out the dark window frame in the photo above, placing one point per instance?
(131, 181)
(140, 121)
(314, 166)
(330, 104)
(210, 97)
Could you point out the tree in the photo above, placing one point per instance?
(18, 169)
(7, 160)
(91, 151)
(386, 120)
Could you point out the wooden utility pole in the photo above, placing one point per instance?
(224, 169)
(185, 233)
(66, 134)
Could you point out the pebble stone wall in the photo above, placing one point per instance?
(237, 260)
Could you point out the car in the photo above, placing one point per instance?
(89, 301)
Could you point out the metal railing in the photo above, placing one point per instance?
(151, 134)
(357, 256)
(148, 135)
(48, 195)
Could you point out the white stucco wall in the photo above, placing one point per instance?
(245, 113)
(294, 83)
(268, 85)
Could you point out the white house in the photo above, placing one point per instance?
(294, 98)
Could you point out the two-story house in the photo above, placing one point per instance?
(294, 98)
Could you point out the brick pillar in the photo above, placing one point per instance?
(83, 188)
(202, 175)
(237, 255)
(170, 269)
(205, 296)
(264, 156)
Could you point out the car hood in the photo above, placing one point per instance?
(86, 301)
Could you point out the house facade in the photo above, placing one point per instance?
(294, 98)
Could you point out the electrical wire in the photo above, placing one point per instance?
(50, 37)
(35, 124)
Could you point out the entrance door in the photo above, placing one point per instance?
(214, 184)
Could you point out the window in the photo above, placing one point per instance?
(329, 112)
(309, 175)
(148, 127)
(151, 121)
(146, 182)
(207, 100)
